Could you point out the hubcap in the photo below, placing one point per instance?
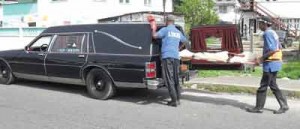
(99, 84)
(3, 73)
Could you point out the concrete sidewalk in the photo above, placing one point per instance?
(291, 87)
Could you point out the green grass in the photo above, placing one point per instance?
(291, 70)
(216, 73)
(212, 40)
(238, 89)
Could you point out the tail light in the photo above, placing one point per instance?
(150, 70)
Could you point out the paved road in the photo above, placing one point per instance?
(38, 105)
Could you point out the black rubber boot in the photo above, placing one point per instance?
(282, 102)
(281, 110)
(260, 103)
(173, 103)
(254, 110)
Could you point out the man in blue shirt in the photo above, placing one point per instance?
(272, 61)
(171, 39)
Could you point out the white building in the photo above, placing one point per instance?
(228, 10)
(60, 12)
(286, 11)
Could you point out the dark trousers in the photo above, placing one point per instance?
(170, 71)
(269, 79)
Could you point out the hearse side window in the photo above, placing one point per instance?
(43, 41)
(70, 43)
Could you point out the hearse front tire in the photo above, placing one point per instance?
(99, 84)
(6, 76)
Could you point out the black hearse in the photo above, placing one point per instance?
(101, 56)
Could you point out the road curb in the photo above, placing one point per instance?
(213, 87)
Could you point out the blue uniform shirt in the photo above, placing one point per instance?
(171, 37)
(271, 43)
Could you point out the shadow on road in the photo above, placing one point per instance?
(137, 96)
(57, 87)
(161, 96)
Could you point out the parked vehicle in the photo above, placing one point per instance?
(102, 57)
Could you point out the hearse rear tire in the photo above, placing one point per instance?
(99, 84)
(6, 76)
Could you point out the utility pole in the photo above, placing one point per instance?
(1, 4)
(252, 26)
(251, 38)
(298, 55)
(164, 10)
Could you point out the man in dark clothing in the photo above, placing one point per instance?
(171, 39)
(272, 61)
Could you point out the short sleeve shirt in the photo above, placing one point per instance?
(171, 37)
(271, 43)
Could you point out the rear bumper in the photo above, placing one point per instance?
(147, 83)
(153, 83)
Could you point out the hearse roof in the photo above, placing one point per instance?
(93, 27)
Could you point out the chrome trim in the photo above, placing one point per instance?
(154, 83)
(44, 64)
(51, 43)
(82, 43)
(66, 33)
(63, 65)
(130, 85)
(142, 70)
(49, 79)
(125, 54)
(101, 54)
(67, 80)
(15, 62)
(31, 76)
(88, 43)
(93, 41)
(151, 48)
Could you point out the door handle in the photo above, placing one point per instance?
(81, 56)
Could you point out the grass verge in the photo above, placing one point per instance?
(237, 89)
(290, 70)
(216, 73)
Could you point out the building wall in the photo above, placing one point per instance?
(60, 12)
(14, 15)
(9, 43)
(227, 10)
(1, 15)
(50, 13)
(89, 11)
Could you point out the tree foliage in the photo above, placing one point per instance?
(197, 12)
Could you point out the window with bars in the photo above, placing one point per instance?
(223, 9)
(147, 2)
(124, 1)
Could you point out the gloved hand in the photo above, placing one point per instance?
(152, 22)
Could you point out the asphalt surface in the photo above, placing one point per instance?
(39, 105)
(246, 81)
